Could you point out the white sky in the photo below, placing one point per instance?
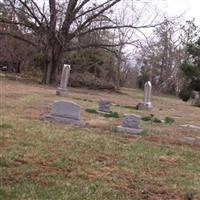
(177, 7)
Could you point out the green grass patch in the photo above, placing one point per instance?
(156, 120)
(146, 118)
(108, 115)
(90, 110)
(87, 100)
(6, 126)
(2, 139)
(169, 120)
(77, 98)
(152, 119)
(127, 106)
(111, 115)
(159, 132)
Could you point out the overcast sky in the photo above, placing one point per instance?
(177, 7)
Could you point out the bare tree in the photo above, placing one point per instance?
(160, 57)
(53, 28)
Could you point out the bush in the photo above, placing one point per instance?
(169, 120)
(146, 118)
(142, 79)
(185, 93)
(90, 81)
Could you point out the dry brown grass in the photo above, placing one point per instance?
(53, 161)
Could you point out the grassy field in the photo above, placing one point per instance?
(53, 161)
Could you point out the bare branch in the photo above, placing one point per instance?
(30, 25)
(119, 27)
(31, 12)
(69, 17)
(81, 6)
(100, 45)
(93, 9)
(89, 19)
(41, 13)
(17, 37)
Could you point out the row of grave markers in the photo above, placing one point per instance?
(69, 113)
(62, 90)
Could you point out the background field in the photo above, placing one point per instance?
(53, 161)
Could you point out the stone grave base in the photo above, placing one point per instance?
(142, 106)
(61, 92)
(64, 120)
(190, 126)
(103, 113)
(122, 129)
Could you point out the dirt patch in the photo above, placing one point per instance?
(124, 187)
(147, 193)
(48, 169)
(107, 160)
(172, 140)
(106, 173)
(5, 144)
(9, 181)
(99, 123)
(13, 95)
(169, 159)
(54, 152)
(162, 193)
(35, 112)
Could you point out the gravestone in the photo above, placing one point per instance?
(147, 97)
(104, 106)
(65, 112)
(62, 90)
(130, 124)
(190, 126)
(187, 140)
(195, 96)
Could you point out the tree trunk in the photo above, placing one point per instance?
(44, 71)
(18, 70)
(54, 55)
(49, 68)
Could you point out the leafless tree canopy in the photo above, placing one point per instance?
(55, 27)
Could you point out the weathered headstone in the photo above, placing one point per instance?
(62, 90)
(130, 124)
(147, 97)
(65, 112)
(104, 106)
(195, 96)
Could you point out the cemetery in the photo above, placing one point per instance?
(52, 148)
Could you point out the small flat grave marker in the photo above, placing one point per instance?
(130, 124)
